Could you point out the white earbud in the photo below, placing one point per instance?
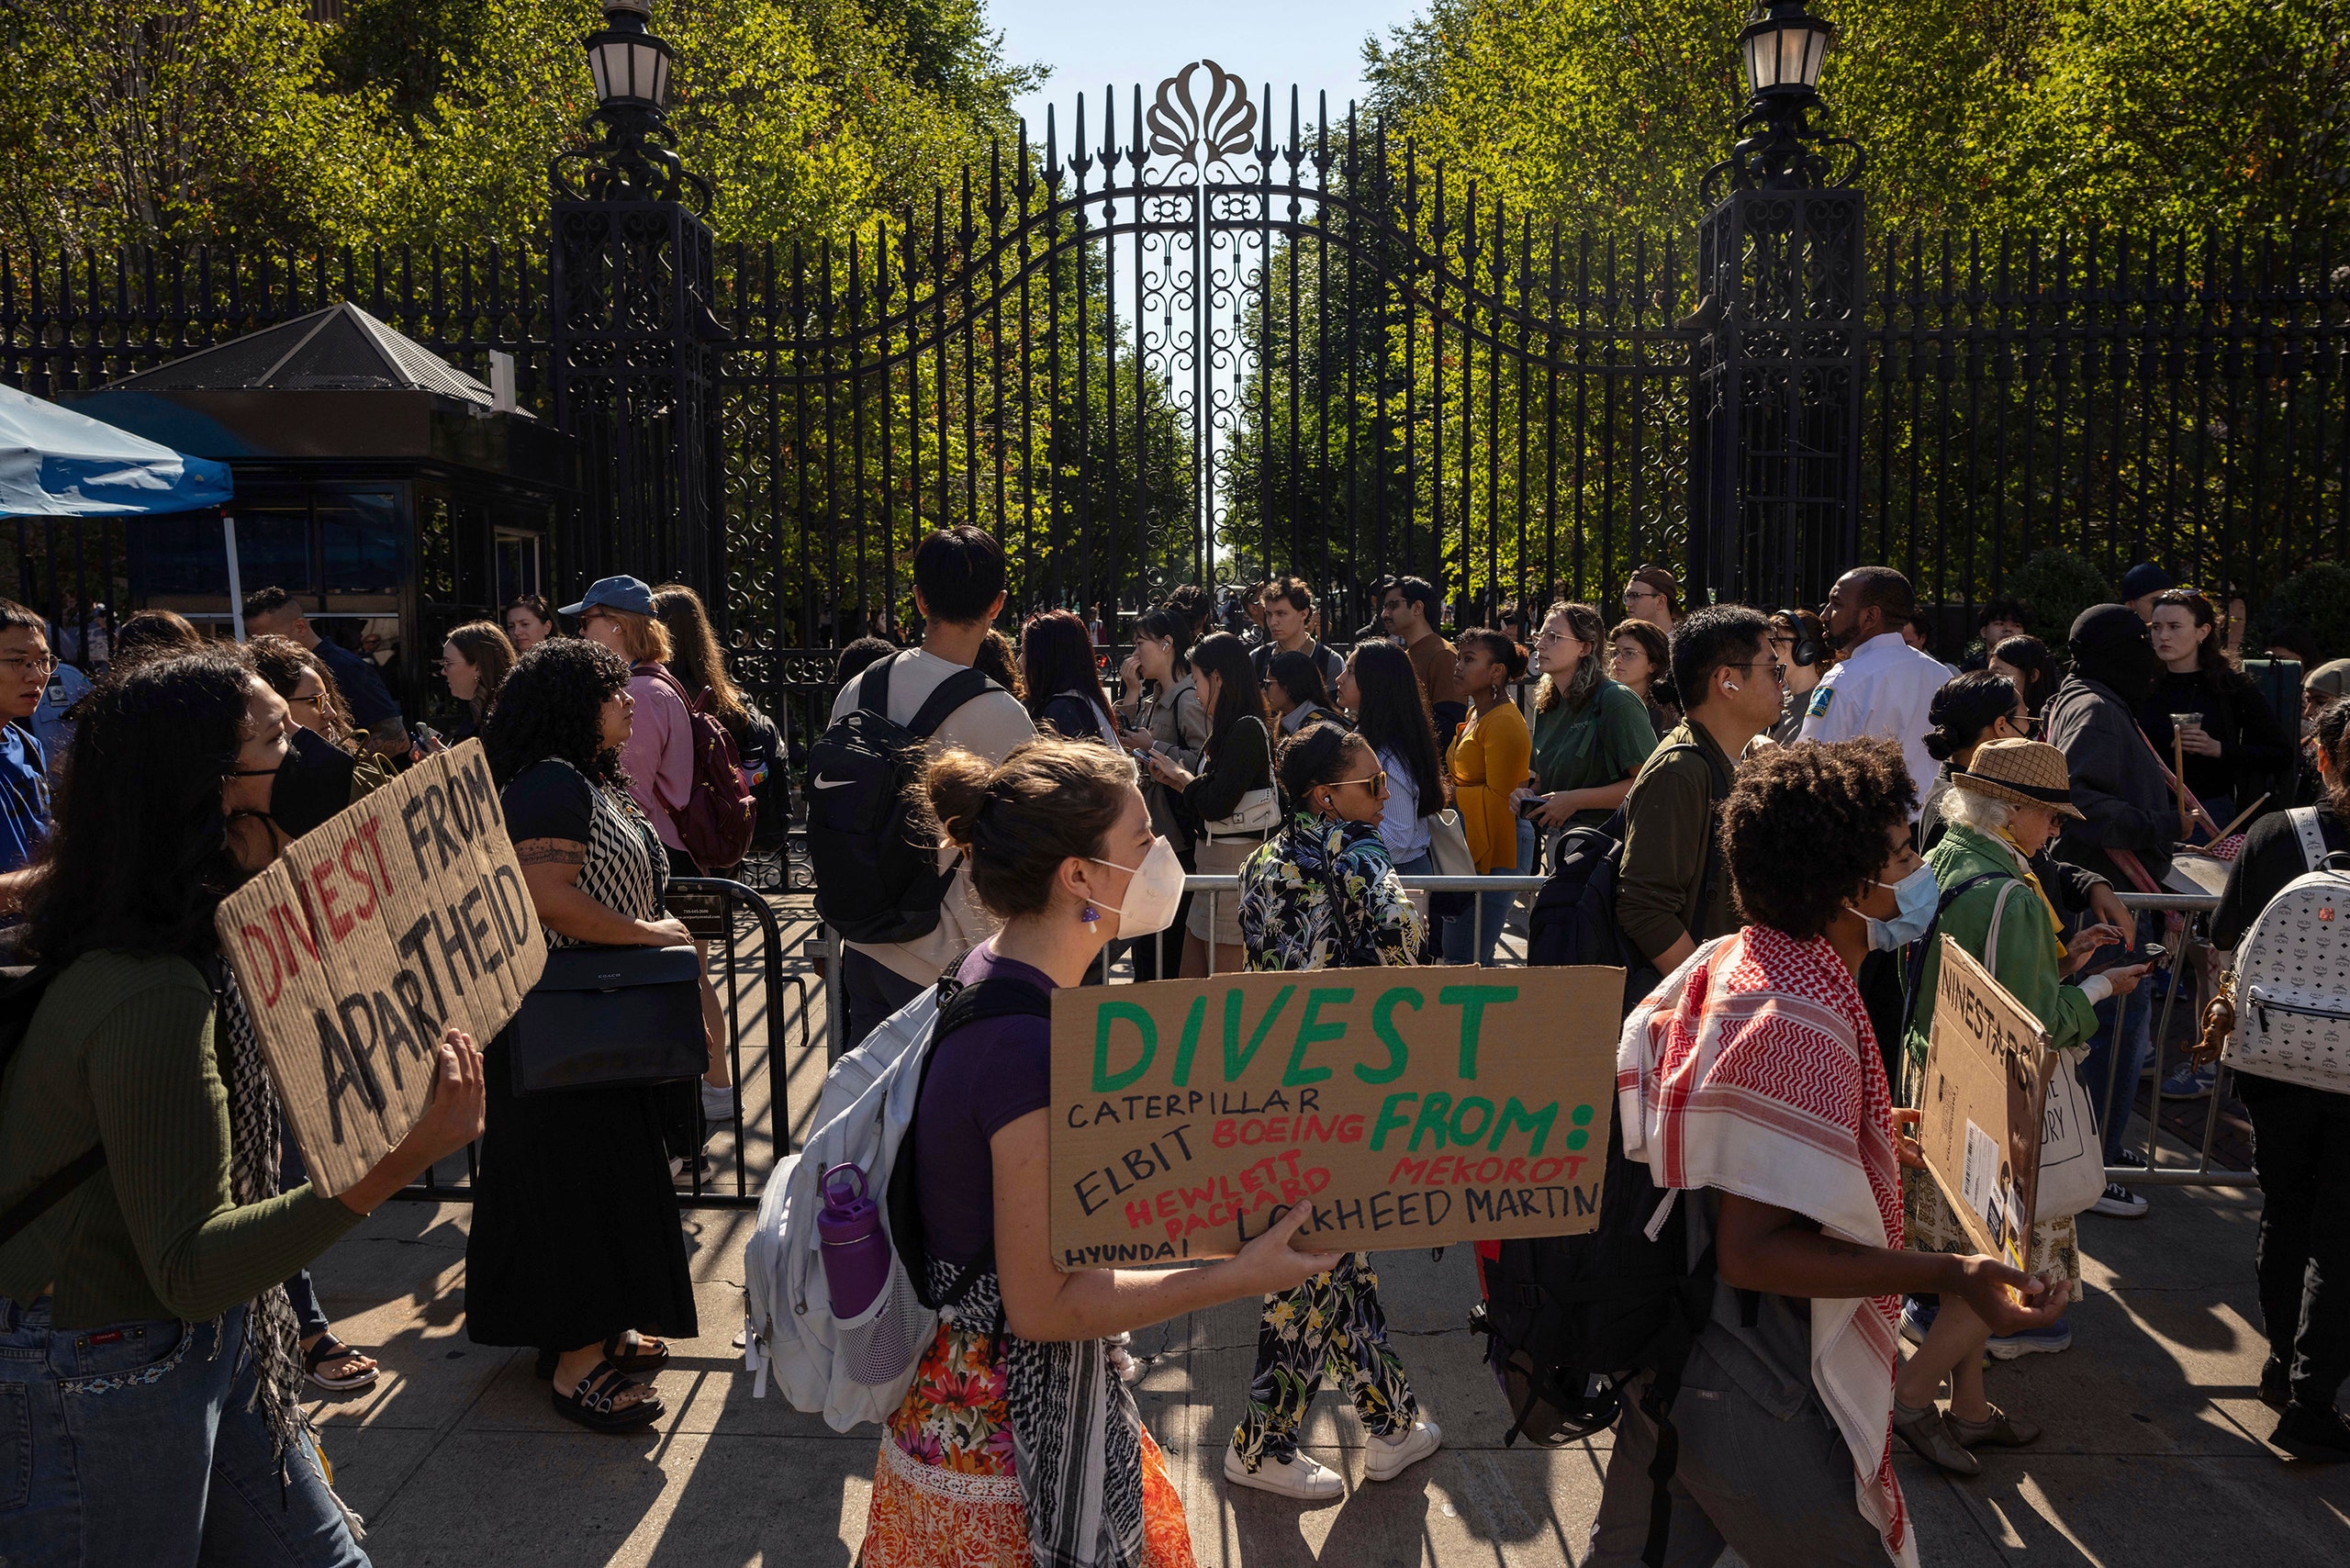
(1729, 686)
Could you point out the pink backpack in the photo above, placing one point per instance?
(716, 823)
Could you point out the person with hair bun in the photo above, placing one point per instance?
(1490, 761)
(1752, 1084)
(1017, 1441)
(1322, 894)
(1982, 706)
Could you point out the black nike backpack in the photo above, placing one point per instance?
(878, 877)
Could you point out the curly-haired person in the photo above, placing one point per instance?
(1754, 1082)
(576, 1243)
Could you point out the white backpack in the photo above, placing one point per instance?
(850, 1370)
(2292, 986)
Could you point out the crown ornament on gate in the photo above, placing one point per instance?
(1202, 122)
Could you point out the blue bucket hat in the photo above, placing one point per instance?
(614, 593)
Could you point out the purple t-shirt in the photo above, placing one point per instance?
(981, 1078)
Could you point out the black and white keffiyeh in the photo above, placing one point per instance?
(1076, 1436)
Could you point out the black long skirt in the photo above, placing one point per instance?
(576, 1233)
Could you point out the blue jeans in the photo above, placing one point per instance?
(2131, 1017)
(1471, 938)
(131, 1444)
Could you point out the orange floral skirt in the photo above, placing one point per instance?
(945, 1492)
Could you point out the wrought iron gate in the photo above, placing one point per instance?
(1185, 348)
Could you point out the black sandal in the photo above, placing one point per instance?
(330, 1348)
(590, 1404)
(638, 1360)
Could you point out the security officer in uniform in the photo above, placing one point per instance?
(1881, 686)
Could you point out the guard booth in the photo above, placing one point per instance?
(393, 494)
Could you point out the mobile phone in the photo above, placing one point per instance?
(2153, 953)
(1532, 804)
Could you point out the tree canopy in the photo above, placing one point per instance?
(174, 121)
(2049, 114)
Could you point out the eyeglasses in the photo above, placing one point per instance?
(1552, 637)
(1643, 591)
(312, 701)
(1378, 782)
(1778, 670)
(37, 667)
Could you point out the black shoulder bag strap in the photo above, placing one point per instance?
(959, 1008)
(1914, 971)
(873, 687)
(951, 693)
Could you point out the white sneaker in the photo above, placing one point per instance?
(717, 1102)
(1301, 1477)
(2120, 1202)
(1385, 1459)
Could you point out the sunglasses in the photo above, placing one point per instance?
(1378, 782)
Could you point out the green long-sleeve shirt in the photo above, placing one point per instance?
(121, 1053)
(2028, 964)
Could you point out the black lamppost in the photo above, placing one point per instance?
(630, 160)
(1777, 370)
(1782, 51)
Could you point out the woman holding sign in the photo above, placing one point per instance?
(2000, 811)
(147, 1351)
(576, 1245)
(1017, 1441)
(1322, 894)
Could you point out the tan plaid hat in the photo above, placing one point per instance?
(2022, 773)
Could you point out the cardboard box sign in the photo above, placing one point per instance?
(1411, 1107)
(372, 934)
(1979, 1113)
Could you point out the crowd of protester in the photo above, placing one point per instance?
(1797, 798)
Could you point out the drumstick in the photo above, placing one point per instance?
(2178, 763)
(2243, 817)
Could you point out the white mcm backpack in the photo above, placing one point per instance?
(2292, 977)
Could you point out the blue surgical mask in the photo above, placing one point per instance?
(1917, 894)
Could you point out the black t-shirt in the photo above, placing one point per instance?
(2270, 859)
(550, 799)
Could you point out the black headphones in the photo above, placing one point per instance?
(1808, 650)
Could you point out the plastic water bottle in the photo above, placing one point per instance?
(856, 1249)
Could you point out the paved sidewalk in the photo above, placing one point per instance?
(2153, 1453)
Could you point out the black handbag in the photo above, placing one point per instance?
(611, 1018)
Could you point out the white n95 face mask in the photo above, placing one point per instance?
(1153, 894)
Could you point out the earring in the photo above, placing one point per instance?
(1090, 914)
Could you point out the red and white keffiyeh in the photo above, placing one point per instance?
(1752, 1069)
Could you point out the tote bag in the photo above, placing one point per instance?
(2072, 1158)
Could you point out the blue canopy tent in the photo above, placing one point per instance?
(56, 463)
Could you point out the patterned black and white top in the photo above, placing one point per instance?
(626, 869)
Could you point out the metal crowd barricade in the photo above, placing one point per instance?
(720, 914)
(2196, 910)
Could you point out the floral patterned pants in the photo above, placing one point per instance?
(1330, 1325)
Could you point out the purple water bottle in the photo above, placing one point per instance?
(856, 1249)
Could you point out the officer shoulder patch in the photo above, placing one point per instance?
(1821, 695)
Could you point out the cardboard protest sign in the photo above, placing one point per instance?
(1979, 1112)
(1410, 1107)
(371, 936)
